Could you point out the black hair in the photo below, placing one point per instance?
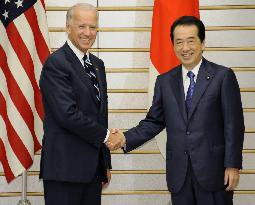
(187, 21)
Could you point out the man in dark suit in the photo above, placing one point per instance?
(75, 160)
(199, 104)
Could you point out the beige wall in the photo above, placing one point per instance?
(123, 43)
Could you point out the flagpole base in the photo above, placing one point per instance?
(24, 202)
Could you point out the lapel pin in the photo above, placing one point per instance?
(208, 78)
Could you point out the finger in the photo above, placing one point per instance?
(231, 183)
(225, 179)
(123, 142)
(228, 188)
(235, 182)
(114, 130)
(111, 148)
(105, 185)
(114, 146)
(110, 145)
(117, 146)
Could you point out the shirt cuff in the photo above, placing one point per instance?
(124, 148)
(107, 136)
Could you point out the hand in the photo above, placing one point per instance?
(109, 176)
(231, 178)
(116, 139)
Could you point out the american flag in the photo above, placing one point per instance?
(23, 49)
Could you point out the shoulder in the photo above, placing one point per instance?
(95, 58)
(57, 57)
(220, 71)
(215, 66)
(57, 64)
(169, 74)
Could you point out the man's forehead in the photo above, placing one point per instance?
(190, 30)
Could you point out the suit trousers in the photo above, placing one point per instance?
(74, 193)
(193, 194)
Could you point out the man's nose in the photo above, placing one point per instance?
(185, 46)
(86, 30)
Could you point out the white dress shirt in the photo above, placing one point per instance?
(77, 52)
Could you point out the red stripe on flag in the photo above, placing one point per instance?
(18, 98)
(16, 143)
(26, 62)
(7, 170)
(43, 4)
(41, 46)
(165, 12)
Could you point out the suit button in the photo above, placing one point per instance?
(188, 133)
(185, 152)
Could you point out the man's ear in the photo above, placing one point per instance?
(68, 29)
(203, 45)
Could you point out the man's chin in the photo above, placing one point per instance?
(84, 49)
(186, 62)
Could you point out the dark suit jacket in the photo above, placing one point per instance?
(212, 133)
(75, 125)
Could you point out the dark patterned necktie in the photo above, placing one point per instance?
(191, 89)
(90, 72)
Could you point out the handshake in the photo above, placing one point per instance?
(115, 140)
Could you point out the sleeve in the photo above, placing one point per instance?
(149, 127)
(233, 120)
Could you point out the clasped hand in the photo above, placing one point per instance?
(116, 139)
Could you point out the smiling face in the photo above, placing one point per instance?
(187, 45)
(82, 28)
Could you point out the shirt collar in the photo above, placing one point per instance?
(77, 52)
(194, 70)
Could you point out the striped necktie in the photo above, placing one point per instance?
(191, 89)
(90, 72)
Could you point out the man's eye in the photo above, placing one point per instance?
(93, 27)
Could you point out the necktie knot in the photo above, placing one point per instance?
(86, 60)
(191, 75)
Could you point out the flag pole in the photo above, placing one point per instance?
(24, 200)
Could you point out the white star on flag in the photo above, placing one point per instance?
(5, 14)
(19, 3)
(6, 1)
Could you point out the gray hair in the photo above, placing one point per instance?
(85, 6)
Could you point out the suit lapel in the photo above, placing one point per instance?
(78, 67)
(205, 76)
(178, 90)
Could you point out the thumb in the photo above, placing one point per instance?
(225, 179)
(114, 130)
